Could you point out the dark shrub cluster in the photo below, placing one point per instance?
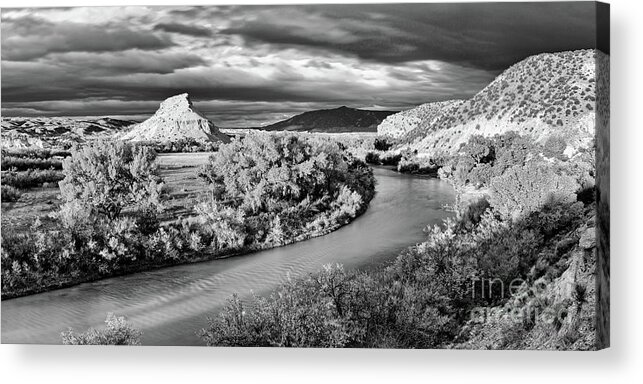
(27, 163)
(183, 145)
(268, 189)
(35, 153)
(383, 159)
(513, 169)
(32, 178)
(419, 166)
(9, 193)
(382, 144)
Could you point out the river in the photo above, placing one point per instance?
(169, 305)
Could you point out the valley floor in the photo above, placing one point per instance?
(177, 169)
(184, 191)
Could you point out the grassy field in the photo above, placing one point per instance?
(179, 170)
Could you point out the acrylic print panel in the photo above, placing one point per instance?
(369, 175)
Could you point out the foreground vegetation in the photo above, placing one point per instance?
(117, 332)
(514, 270)
(425, 298)
(266, 191)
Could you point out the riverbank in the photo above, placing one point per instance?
(441, 283)
(192, 257)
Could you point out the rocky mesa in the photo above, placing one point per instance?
(176, 119)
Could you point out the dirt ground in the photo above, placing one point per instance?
(179, 170)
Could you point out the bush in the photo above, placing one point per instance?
(287, 179)
(482, 158)
(473, 213)
(372, 158)
(183, 145)
(35, 153)
(10, 194)
(390, 159)
(32, 178)
(420, 166)
(382, 144)
(555, 147)
(524, 189)
(106, 177)
(27, 163)
(117, 332)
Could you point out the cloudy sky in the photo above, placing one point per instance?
(253, 65)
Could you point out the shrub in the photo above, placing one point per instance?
(302, 313)
(31, 178)
(27, 163)
(269, 178)
(10, 194)
(473, 213)
(390, 159)
(35, 153)
(106, 177)
(117, 332)
(523, 189)
(372, 158)
(554, 148)
(381, 144)
(416, 165)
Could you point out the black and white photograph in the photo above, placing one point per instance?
(385, 176)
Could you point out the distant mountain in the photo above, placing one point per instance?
(49, 131)
(550, 95)
(342, 119)
(176, 119)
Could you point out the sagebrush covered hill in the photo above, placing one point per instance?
(544, 96)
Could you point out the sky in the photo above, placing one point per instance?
(255, 65)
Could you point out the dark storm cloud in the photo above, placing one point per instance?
(485, 35)
(250, 64)
(183, 29)
(125, 62)
(29, 38)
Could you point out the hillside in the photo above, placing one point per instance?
(342, 119)
(176, 119)
(22, 132)
(546, 95)
(398, 124)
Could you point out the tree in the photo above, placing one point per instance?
(107, 177)
(523, 189)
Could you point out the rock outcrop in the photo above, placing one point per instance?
(176, 119)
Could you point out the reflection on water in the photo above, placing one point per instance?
(169, 305)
